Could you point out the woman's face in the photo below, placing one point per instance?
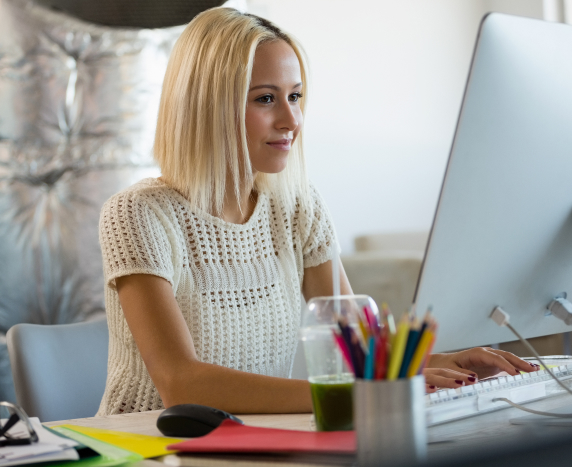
(273, 115)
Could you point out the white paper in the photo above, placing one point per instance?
(65, 455)
(47, 445)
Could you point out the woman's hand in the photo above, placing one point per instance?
(436, 378)
(483, 361)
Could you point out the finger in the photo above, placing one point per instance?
(465, 377)
(516, 362)
(443, 381)
(469, 373)
(430, 388)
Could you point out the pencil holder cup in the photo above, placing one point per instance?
(389, 418)
(331, 380)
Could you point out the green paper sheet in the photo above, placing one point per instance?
(109, 455)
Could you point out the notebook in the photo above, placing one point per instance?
(234, 437)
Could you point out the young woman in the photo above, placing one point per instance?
(206, 266)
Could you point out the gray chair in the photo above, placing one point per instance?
(59, 370)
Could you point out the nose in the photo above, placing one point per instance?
(287, 118)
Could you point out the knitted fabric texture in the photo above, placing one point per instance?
(238, 285)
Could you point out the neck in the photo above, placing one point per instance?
(238, 211)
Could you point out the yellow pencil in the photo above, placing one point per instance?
(420, 353)
(398, 348)
(363, 329)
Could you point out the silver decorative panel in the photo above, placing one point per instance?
(78, 107)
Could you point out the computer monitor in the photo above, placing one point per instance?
(502, 232)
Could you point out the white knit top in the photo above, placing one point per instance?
(238, 285)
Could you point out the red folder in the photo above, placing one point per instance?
(231, 436)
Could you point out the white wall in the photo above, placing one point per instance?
(387, 83)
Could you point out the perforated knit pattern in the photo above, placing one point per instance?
(238, 286)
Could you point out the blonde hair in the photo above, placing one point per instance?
(201, 131)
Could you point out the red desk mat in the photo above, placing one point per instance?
(234, 437)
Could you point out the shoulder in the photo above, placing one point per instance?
(149, 205)
(141, 195)
(311, 203)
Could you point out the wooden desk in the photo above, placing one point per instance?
(447, 441)
(145, 423)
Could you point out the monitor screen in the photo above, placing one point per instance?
(502, 232)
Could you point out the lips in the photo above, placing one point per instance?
(281, 144)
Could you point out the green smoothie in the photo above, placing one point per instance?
(333, 403)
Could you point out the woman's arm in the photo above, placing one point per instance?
(167, 348)
(318, 281)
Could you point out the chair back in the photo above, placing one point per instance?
(59, 370)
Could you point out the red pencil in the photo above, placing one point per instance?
(371, 319)
(343, 350)
(381, 354)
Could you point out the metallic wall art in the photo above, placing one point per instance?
(78, 107)
(133, 13)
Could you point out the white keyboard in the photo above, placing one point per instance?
(452, 404)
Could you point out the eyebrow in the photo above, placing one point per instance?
(271, 86)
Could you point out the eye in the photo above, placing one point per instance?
(295, 97)
(266, 99)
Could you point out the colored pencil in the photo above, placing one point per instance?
(360, 354)
(343, 350)
(381, 355)
(412, 341)
(430, 348)
(398, 348)
(420, 353)
(345, 335)
(370, 359)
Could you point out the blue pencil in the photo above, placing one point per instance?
(370, 359)
(410, 347)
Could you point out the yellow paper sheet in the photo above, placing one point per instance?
(146, 446)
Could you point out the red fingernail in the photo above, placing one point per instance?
(432, 387)
(458, 381)
(471, 379)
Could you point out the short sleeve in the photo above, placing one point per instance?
(133, 240)
(320, 243)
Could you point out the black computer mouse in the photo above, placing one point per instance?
(191, 420)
